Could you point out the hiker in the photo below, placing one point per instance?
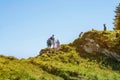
(57, 45)
(52, 39)
(105, 28)
(49, 43)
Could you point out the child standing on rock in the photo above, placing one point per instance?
(57, 45)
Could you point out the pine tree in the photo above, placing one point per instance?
(117, 18)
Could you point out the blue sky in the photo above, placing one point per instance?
(25, 25)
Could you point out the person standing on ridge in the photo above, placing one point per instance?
(57, 45)
(105, 28)
(52, 41)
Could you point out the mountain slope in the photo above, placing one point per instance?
(83, 59)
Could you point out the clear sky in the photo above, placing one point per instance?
(25, 25)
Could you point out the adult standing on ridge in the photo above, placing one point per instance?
(105, 28)
(52, 41)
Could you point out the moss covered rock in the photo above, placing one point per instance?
(99, 43)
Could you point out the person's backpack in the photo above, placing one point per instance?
(48, 41)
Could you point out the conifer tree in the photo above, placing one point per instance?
(117, 18)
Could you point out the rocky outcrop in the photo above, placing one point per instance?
(100, 42)
(92, 47)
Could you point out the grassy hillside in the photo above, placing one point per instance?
(70, 66)
(14, 69)
(69, 63)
